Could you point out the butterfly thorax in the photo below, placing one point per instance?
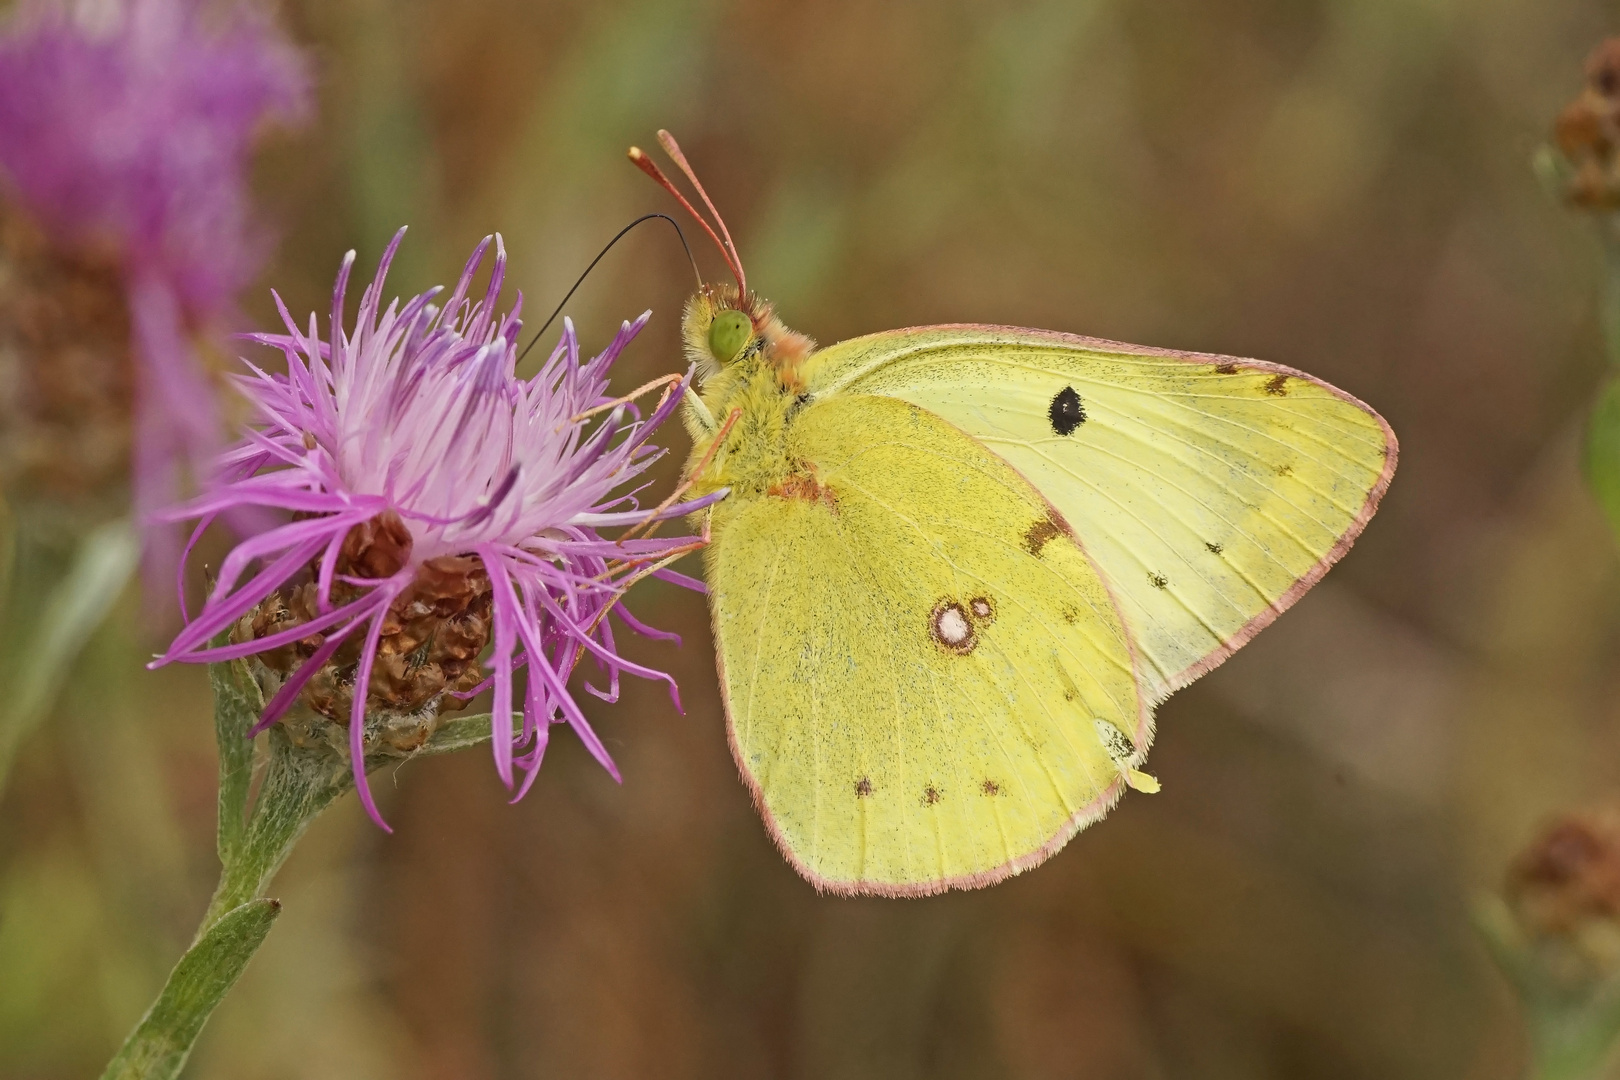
(754, 372)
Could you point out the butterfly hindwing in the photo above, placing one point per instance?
(927, 682)
(1211, 492)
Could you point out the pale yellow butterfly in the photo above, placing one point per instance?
(959, 565)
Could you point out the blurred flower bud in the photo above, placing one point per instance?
(1564, 892)
(67, 384)
(1587, 134)
(1555, 931)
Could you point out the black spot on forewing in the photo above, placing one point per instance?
(1066, 412)
(863, 788)
(1226, 369)
(1158, 581)
(1213, 549)
(1040, 534)
(1278, 386)
(990, 787)
(930, 795)
(1285, 470)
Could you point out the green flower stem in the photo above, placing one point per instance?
(1602, 451)
(296, 785)
(1609, 314)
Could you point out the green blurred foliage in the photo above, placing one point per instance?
(1341, 185)
(1603, 452)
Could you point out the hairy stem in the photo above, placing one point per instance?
(296, 785)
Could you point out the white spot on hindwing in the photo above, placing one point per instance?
(955, 626)
(951, 626)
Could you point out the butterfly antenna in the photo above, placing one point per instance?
(619, 236)
(641, 161)
(673, 149)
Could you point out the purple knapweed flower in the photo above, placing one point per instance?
(435, 497)
(125, 128)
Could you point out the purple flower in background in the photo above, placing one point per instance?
(439, 504)
(125, 129)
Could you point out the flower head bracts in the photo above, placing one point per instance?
(419, 471)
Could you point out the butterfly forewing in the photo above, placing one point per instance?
(1211, 492)
(927, 682)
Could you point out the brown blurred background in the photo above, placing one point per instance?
(1340, 185)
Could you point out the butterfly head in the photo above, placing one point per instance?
(725, 324)
(719, 327)
(722, 327)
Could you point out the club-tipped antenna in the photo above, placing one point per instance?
(617, 237)
(673, 149)
(641, 161)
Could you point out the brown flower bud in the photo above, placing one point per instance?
(432, 636)
(1587, 133)
(1564, 892)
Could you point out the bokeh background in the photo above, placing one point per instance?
(1340, 185)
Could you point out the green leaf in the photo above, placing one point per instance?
(161, 1042)
(1603, 452)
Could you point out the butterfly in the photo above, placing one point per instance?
(958, 566)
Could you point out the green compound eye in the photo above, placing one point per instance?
(729, 333)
